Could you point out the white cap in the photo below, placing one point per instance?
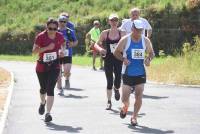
(61, 17)
(113, 16)
(96, 22)
(138, 24)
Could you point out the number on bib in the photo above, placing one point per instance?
(113, 47)
(66, 52)
(47, 57)
(138, 53)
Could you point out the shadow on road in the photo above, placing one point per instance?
(74, 96)
(154, 97)
(70, 129)
(75, 89)
(116, 112)
(146, 130)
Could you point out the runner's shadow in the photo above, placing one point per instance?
(154, 97)
(70, 129)
(146, 130)
(117, 112)
(74, 96)
(75, 89)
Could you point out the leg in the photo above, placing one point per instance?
(126, 91)
(138, 101)
(117, 81)
(94, 55)
(109, 78)
(42, 77)
(67, 73)
(52, 79)
(101, 63)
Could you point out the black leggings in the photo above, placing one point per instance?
(112, 65)
(48, 81)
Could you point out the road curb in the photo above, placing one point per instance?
(7, 104)
(171, 84)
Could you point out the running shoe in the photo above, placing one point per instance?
(133, 122)
(42, 108)
(123, 112)
(117, 94)
(109, 106)
(48, 117)
(61, 92)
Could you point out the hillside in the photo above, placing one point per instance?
(23, 15)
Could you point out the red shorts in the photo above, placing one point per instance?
(94, 50)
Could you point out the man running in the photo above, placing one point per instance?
(131, 50)
(66, 61)
(93, 36)
(111, 65)
(47, 45)
(69, 24)
(135, 14)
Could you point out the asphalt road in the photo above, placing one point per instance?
(165, 110)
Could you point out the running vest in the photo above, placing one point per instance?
(135, 53)
(111, 44)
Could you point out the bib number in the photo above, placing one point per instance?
(113, 47)
(48, 57)
(138, 54)
(66, 52)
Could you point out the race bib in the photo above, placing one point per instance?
(113, 47)
(66, 52)
(138, 53)
(47, 57)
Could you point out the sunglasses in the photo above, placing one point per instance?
(62, 21)
(52, 29)
(114, 20)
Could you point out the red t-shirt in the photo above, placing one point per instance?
(42, 40)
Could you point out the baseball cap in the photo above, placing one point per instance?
(61, 18)
(112, 16)
(138, 24)
(96, 22)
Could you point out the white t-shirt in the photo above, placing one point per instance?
(127, 25)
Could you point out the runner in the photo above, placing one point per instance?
(93, 36)
(133, 47)
(47, 45)
(111, 65)
(69, 24)
(66, 61)
(135, 14)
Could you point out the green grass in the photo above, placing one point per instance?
(77, 60)
(178, 70)
(23, 15)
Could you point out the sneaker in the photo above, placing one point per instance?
(67, 84)
(48, 117)
(109, 106)
(123, 112)
(133, 122)
(42, 108)
(94, 68)
(101, 68)
(117, 94)
(61, 92)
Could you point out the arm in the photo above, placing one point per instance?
(36, 49)
(118, 53)
(99, 44)
(149, 51)
(73, 40)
